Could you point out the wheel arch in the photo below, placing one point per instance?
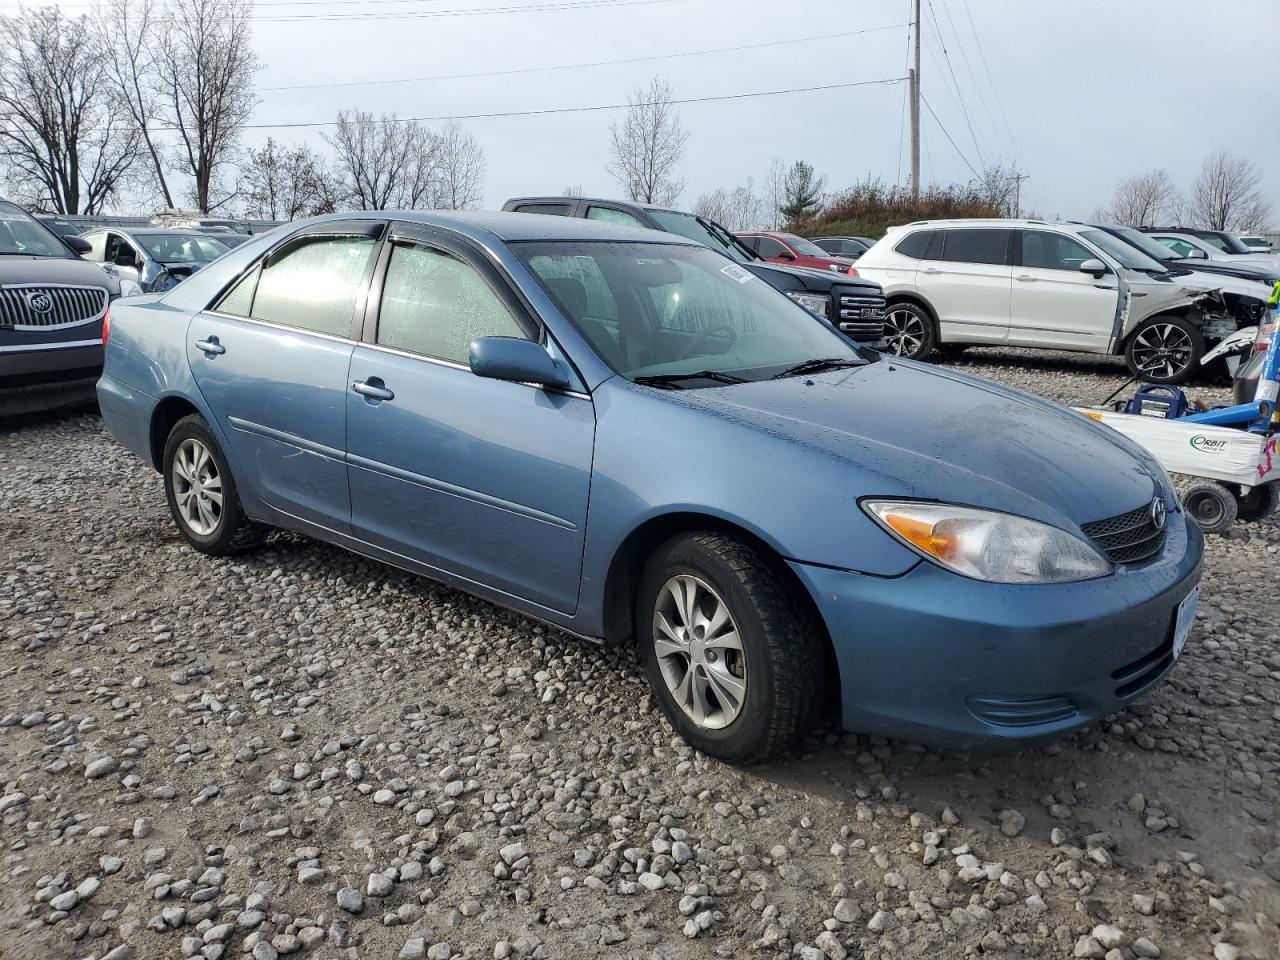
(627, 564)
(166, 413)
(916, 300)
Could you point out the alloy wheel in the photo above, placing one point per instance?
(1162, 350)
(904, 332)
(197, 487)
(699, 652)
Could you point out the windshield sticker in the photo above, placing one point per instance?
(735, 272)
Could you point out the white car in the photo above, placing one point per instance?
(1057, 286)
(1185, 244)
(1256, 243)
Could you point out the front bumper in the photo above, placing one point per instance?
(937, 658)
(27, 363)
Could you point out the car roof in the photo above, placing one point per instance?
(510, 227)
(1006, 222)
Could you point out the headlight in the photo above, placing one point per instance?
(986, 545)
(130, 288)
(818, 303)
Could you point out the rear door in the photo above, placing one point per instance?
(483, 479)
(1053, 303)
(966, 276)
(271, 361)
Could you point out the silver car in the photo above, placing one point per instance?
(156, 258)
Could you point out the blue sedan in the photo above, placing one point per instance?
(627, 436)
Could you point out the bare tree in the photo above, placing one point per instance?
(997, 186)
(461, 169)
(775, 192)
(385, 163)
(127, 31)
(1145, 200)
(574, 191)
(648, 146)
(1227, 195)
(62, 145)
(738, 209)
(205, 69)
(283, 183)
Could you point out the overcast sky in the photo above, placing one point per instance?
(1093, 90)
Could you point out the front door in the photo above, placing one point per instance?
(271, 361)
(1054, 304)
(966, 277)
(483, 479)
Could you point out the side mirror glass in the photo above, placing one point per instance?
(1093, 266)
(516, 360)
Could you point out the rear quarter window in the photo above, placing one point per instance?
(915, 245)
(549, 209)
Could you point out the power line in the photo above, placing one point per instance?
(950, 140)
(887, 81)
(982, 97)
(994, 89)
(964, 109)
(576, 66)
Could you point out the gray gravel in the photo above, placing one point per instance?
(300, 753)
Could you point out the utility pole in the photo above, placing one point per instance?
(913, 80)
(1017, 179)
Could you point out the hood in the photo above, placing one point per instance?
(814, 281)
(915, 431)
(36, 270)
(1150, 296)
(1226, 283)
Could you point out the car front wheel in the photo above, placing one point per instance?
(908, 331)
(734, 659)
(202, 493)
(1164, 350)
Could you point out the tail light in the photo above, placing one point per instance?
(106, 327)
(1262, 339)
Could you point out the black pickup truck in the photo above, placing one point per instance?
(852, 305)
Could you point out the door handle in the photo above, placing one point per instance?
(931, 270)
(1026, 278)
(210, 346)
(372, 389)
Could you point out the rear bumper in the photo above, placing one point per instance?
(126, 413)
(938, 658)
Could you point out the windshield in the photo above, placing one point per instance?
(181, 247)
(704, 231)
(667, 310)
(1120, 250)
(1152, 248)
(23, 235)
(806, 248)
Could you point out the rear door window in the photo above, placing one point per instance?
(315, 284)
(976, 246)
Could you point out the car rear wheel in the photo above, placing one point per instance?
(734, 659)
(908, 331)
(202, 493)
(1164, 350)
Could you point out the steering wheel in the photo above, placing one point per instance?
(702, 337)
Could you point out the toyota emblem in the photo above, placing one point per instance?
(1158, 513)
(39, 302)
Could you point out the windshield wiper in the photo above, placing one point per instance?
(813, 366)
(674, 379)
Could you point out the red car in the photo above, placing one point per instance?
(793, 250)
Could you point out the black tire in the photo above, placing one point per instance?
(949, 351)
(1164, 349)
(1211, 505)
(232, 532)
(1258, 504)
(909, 331)
(784, 653)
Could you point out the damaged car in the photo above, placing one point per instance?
(1056, 286)
(155, 258)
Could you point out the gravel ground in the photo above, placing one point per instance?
(304, 753)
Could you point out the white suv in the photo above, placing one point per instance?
(1059, 286)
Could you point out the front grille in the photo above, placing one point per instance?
(1127, 538)
(1018, 712)
(48, 307)
(862, 317)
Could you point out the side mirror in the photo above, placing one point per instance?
(517, 360)
(78, 245)
(124, 258)
(1195, 253)
(1093, 266)
(786, 255)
